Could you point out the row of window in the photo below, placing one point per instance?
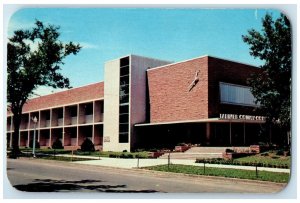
(124, 101)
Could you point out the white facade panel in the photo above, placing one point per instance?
(111, 108)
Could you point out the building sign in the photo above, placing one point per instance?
(106, 139)
(242, 117)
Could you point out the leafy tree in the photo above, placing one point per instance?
(272, 87)
(34, 58)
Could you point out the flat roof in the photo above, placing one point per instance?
(209, 120)
(200, 57)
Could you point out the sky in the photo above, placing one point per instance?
(162, 33)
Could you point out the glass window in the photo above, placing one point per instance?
(236, 94)
(123, 137)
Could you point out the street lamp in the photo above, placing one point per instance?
(35, 120)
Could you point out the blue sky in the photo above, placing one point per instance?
(168, 34)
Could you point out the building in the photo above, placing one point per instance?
(145, 103)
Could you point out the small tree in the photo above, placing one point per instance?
(87, 146)
(34, 58)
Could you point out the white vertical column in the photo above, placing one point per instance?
(38, 127)
(63, 126)
(50, 129)
(77, 128)
(28, 129)
(93, 124)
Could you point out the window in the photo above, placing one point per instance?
(236, 94)
(124, 100)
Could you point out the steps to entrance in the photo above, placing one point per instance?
(199, 152)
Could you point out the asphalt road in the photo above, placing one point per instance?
(35, 175)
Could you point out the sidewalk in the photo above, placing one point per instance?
(135, 163)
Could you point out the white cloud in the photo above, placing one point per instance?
(86, 45)
(255, 14)
(16, 25)
(33, 45)
(44, 90)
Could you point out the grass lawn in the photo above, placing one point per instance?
(232, 173)
(95, 153)
(60, 158)
(114, 154)
(269, 157)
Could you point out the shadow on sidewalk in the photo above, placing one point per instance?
(47, 185)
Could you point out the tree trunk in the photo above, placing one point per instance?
(15, 138)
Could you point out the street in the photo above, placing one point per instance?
(36, 175)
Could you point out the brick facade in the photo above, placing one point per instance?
(221, 70)
(171, 100)
(75, 95)
(169, 94)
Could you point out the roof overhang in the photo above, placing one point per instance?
(209, 120)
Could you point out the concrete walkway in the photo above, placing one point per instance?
(135, 163)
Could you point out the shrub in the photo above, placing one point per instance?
(126, 156)
(87, 146)
(57, 144)
(112, 156)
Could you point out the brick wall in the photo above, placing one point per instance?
(170, 98)
(221, 70)
(75, 95)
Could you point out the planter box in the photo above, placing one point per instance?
(259, 148)
(155, 154)
(181, 148)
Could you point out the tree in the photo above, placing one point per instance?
(272, 87)
(34, 58)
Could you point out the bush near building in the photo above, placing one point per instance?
(87, 146)
(57, 144)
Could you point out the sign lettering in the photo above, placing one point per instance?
(242, 117)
